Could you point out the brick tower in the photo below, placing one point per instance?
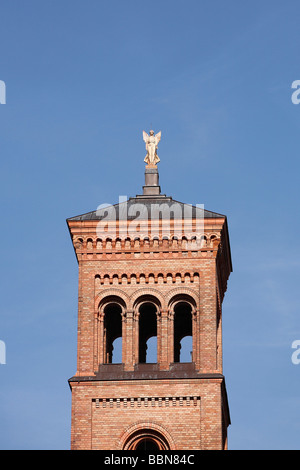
(152, 276)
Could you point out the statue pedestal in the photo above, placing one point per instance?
(151, 181)
(151, 166)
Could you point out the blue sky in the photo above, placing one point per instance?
(83, 79)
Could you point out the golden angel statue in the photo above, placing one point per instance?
(151, 141)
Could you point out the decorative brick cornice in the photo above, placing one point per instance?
(130, 402)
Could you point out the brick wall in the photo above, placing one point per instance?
(187, 412)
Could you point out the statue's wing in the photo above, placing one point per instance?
(145, 136)
(158, 137)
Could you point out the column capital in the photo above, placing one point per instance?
(129, 313)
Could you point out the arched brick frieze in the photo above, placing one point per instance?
(138, 431)
(181, 292)
(104, 295)
(147, 291)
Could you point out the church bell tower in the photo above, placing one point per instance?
(152, 277)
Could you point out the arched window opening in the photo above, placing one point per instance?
(113, 333)
(147, 333)
(183, 339)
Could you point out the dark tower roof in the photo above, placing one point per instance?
(155, 207)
